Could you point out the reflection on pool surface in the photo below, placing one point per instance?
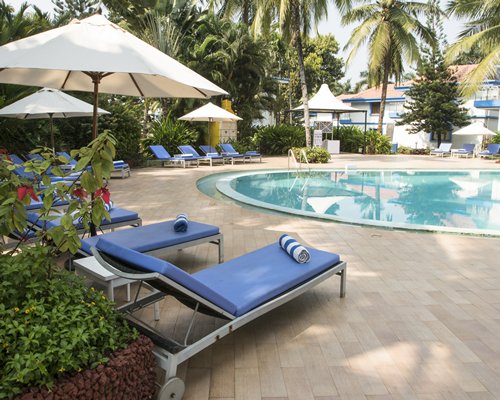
(458, 201)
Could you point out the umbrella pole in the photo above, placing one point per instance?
(52, 141)
(96, 79)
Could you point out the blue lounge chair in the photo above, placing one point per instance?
(21, 171)
(466, 150)
(443, 149)
(210, 151)
(227, 148)
(164, 156)
(189, 150)
(155, 239)
(394, 148)
(69, 177)
(238, 291)
(492, 150)
(119, 165)
(119, 217)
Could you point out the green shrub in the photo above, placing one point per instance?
(243, 145)
(124, 123)
(315, 155)
(278, 139)
(351, 138)
(51, 324)
(496, 138)
(170, 133)
(412, 151)
(377, 143)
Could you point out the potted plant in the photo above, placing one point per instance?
(58, 337)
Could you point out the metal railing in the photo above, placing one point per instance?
(298, 164)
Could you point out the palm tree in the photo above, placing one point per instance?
(482, 33)
(244, 9)
(295, 17)
(391, 28)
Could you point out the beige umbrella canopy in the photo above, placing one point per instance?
(49, 103)
(211, 113)
(95, 55)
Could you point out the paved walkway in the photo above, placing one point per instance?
(421, 319)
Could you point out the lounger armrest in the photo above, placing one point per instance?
(135, 276)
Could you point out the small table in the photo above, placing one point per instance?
(90, 268)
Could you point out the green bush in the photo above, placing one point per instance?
(351, 138)
(170, 133)
(124, 123)
(315, 155)
(278, 139)
(51, 324)
(496, 138)
(412, 151)
(243, 145)
(377, 143)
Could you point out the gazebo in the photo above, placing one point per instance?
(325, 102)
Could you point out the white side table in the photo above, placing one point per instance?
(90, 268)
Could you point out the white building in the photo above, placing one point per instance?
(484, 107)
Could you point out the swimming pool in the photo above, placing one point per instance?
(453, 201)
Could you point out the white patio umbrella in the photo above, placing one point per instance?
(49, 103)
(95, 55)
(211, 113)
(476, 128)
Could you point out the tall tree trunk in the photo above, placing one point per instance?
(302, 75)
(245, 13)
(385, 81)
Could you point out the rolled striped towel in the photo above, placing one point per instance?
(298, 252)
(108, 206)
(181, 223)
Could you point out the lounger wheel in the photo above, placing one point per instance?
(173, 389)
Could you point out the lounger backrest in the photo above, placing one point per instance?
(469, 147)
(188, 149)
(208, 149)
(35, 156)
(159, 151)
(227, 148)
(71, 161)
(152, 264)
(21, 171)
(446, 147)
(494, 148)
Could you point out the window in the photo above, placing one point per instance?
(375, 108)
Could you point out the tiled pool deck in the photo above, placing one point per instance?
(421, 319)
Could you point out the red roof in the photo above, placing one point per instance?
(459, 71)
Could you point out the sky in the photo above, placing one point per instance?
(330, 25)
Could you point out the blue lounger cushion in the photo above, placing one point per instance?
(117, 215)
(155, 236)
(257, 277)
(239, 285)
(152, 264)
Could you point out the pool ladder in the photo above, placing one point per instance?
(298, 164)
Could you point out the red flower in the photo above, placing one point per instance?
(80, 193)
(23, 190)
(104, 193)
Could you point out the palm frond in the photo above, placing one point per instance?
(487, 68)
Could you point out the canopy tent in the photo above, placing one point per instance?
(49, 103)
(211, 113)
(325, 102)
(95, 55)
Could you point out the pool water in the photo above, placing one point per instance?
(456, 201)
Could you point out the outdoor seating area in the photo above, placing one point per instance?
(405, 312)
(229, 281)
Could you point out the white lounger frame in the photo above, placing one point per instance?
(217, 239)
(168, 360)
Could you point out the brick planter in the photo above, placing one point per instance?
(129, 374)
